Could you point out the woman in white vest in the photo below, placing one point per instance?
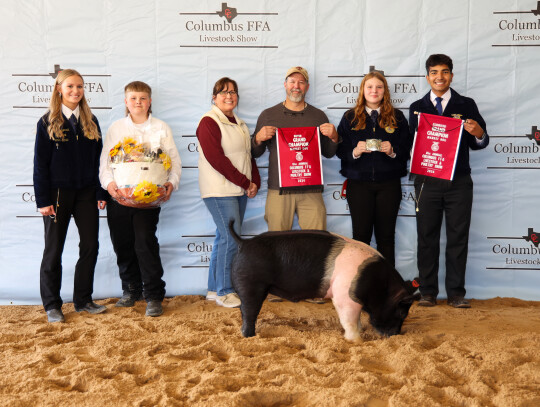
(228, 176)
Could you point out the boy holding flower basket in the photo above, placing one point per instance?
(140, 167)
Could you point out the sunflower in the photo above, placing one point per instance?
(166, 161)
(114, 150)
(129, 145)
(146, 192)
(129, 140)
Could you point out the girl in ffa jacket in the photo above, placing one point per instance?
(228, 176)
(374, 154)
(66, 164)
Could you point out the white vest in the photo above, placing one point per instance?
(236, 144)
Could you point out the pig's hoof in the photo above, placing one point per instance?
(353, 336)
(248, 333)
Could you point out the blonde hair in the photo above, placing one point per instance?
(387, 117)
(56, 119)
(138, 86)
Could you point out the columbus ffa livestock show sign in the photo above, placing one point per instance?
(181, 48)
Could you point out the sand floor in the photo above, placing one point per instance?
(194, 355)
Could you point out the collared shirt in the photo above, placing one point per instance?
(445, 99)
(68, 112)
(368, 110)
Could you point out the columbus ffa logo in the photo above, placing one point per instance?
(228, 12)
(33, 90)
(402, 88)
(532, 237)
(227, 28)
(535, 134)
(435, 146)
(299, 157)
(517, 256)
(518, 29)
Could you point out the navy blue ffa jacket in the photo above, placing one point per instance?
(374, 166)
(459, 107)
(71, 162)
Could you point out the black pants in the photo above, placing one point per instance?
(133, 235)
(454, 200)
(82, 204)
(375, 205)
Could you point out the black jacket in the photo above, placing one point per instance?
(71, 162)
(374, 166)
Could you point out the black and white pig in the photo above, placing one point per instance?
(301, 264)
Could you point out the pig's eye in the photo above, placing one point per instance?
(403, 313)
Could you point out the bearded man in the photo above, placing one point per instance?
(307, 203)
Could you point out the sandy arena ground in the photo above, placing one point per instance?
(194, 355)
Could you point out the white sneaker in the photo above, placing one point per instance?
(211, 296)
(230, 300)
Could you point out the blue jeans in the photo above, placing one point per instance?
(223, 209)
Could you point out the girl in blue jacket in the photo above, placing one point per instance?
(374, 154)
(66, 164)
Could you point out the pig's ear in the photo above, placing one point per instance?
(405, 298)
(409, 299)
(412, 286)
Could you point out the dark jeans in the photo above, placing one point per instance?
(374, 206)
(454, 200)
(133, 235)
(82, 204)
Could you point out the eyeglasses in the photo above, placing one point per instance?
(225, 93)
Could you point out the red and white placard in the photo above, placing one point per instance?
(436, 146)
(299, 157)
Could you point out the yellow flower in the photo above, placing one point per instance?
(129, 145)
(146, 192)
(166, 160)
(129, 140)
(114, 150)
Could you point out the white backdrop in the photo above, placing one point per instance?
(181, 48)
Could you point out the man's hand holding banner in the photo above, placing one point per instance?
(436, 146)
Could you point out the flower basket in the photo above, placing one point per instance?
(140, 174)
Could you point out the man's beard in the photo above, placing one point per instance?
(296, 97)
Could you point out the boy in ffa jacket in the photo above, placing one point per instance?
(453, 198)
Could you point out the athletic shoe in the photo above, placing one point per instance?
(211, 296)
(230, 300)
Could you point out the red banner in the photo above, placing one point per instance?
(436, 145)
(299, 157)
